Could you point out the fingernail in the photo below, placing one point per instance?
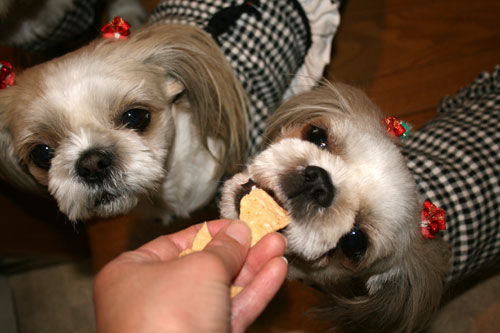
(284, 259)
(239, 231)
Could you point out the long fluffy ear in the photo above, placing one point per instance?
(216, 98)
(402, 299)
(11, 169)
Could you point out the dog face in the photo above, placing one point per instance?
(343, 182)
(98, 137)
(98, 126)
(352, 202)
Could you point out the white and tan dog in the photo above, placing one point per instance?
(101, 127)
(155, 119)
(356, 229)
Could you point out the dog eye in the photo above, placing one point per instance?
(41, 156)
(318, 136)
(354, 243)
(137, 119)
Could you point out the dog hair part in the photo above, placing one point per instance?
(158, 117)
(354, 210)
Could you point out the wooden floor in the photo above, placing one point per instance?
(405, 54)
(408, 54)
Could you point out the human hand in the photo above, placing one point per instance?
(152, 289)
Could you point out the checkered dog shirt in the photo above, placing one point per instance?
(455, 160)
(266, 42)
(76, 21)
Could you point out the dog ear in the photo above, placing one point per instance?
(196, 66)
(414, 290)
(173, 88)
(402, 299)
(11, 170)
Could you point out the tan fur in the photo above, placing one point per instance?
(405, 302)
(397, 283)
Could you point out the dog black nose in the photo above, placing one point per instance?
(312, 185)
(318, 185)
(94, 165)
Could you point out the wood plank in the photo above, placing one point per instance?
(411, 34)
(419, 89)
(407, 55)
(31, 226)
(292, 310)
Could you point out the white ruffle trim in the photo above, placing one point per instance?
(324, 19)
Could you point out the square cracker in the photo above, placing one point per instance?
(259, 211)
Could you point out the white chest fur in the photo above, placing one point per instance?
(191, 177)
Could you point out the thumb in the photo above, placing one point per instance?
(231, 245)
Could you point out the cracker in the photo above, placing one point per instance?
(259, 210)
(201, 240)
(235, 290)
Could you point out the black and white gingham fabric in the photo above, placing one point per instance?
(75, 22)
(455, 160)
(265, 50)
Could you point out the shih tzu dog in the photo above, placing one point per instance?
(360, 230)
(154, 119)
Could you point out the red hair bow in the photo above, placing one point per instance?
(7, 76)
(396, 128)
(117, 29)
(433, 220)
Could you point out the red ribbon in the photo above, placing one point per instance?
(433, 220)
(117, 29)
(393, 126)
(7, 76)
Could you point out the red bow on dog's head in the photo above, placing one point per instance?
(433, 220)
(7, 76)
(396, 127)
(117, 29)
